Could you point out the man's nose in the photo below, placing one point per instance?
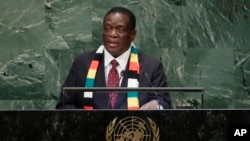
(113, 33)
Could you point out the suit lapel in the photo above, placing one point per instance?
(101, 97)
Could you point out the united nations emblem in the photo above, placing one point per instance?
(132, 129)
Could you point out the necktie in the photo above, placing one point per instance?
(113, 81)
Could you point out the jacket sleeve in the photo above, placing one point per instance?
(159, 79)
(68, 100)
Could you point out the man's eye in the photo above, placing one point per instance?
(107, 28)
(120, 30)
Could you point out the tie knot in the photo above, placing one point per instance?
(114, 63)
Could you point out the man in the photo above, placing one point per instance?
(116, 63)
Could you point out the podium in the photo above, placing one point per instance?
(124, 125)
(105, 125)
(142, 89)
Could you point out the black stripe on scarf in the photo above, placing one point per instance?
(97, 57)
(133, 74)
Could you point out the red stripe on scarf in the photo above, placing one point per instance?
(88, 107)
(94, 64)
(134, 66)
(133, 108)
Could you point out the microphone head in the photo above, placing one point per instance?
(145, 74)
(122, 73)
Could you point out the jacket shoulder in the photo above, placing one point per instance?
(147, 58)
(88, 55)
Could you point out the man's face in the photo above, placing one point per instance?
(117, 33)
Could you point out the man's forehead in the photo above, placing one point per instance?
(118, 17)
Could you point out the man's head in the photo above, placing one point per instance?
(118, 30)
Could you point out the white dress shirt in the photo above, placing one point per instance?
(122, 60)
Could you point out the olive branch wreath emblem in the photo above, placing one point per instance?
(154, 129)
(110, 130)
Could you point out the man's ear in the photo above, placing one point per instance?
(133, 34)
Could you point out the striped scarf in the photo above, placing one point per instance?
(133, 75)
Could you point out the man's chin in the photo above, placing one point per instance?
(114, 53)
(112, 49)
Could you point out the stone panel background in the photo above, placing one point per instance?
(202, 43)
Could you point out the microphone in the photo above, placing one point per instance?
(112, 94)
(121, 74)
(156, 94)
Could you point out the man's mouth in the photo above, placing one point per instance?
(112, 44)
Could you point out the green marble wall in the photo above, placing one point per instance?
(202, 43)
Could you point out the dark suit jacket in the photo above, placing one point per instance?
(78, 73)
